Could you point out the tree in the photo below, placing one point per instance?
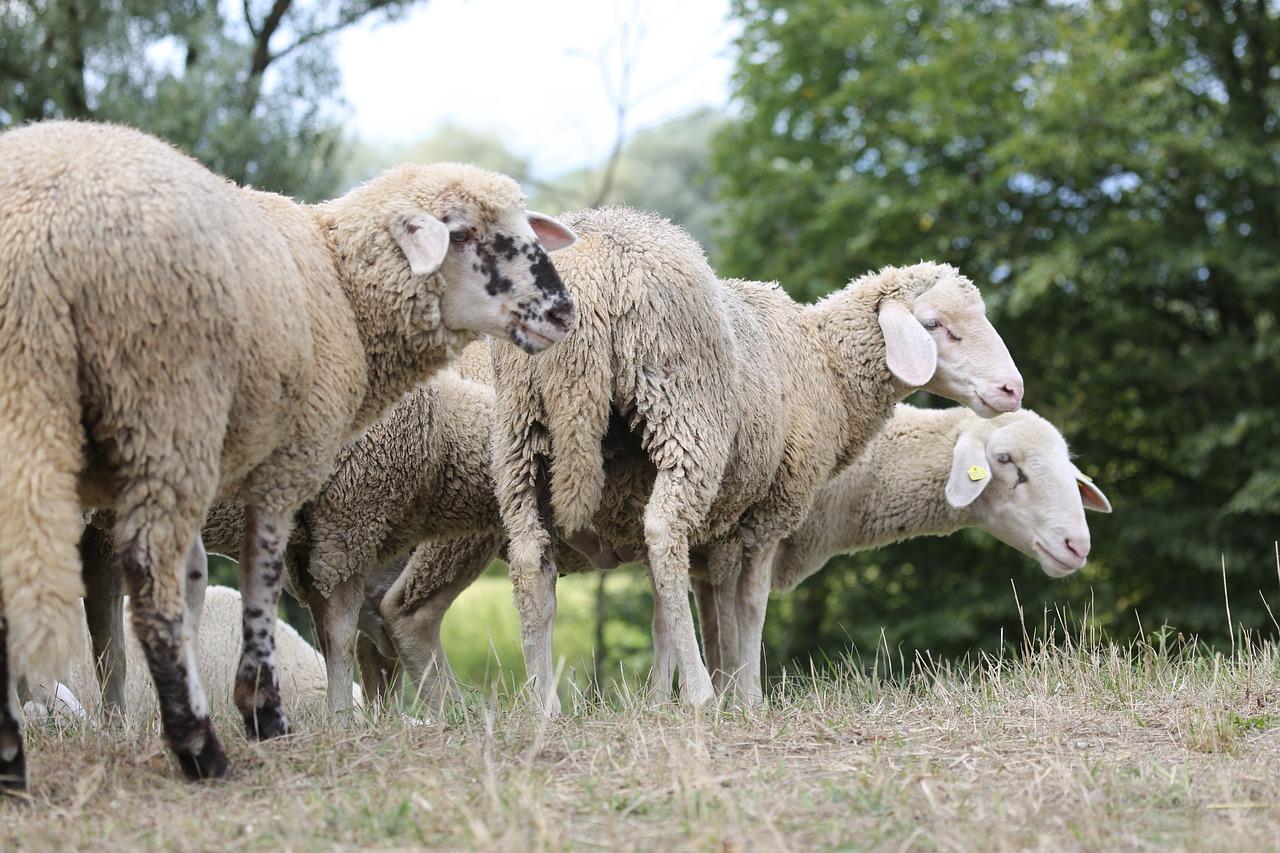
(252, 92)
(1107, 172)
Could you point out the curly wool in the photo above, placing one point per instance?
(167, 337)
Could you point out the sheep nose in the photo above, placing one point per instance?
(1011, 392)
(1079, 546)
(560, 314)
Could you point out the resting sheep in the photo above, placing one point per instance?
(167, 338)
(912, 480)
(743, 402)
(302, 672)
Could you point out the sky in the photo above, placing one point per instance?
(531, 71)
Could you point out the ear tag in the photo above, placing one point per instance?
(1083, 477)
(977, 472)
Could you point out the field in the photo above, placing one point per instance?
(1077, 744)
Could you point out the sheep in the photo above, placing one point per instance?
(302, 671)
(167, 338)
(931, 472)
(744, 402)
(420, 472)
(925, 473)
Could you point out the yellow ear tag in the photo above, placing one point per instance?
(977, 472)
(1083, 477)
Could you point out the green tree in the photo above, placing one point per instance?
(1107, 172)
(251, 89)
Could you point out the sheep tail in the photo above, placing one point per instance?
(41, 456)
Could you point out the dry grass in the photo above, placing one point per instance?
(1066, 747)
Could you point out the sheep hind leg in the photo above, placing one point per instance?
(197, 571)
(104, 613)
(533, 578)
(414, 627)
(719, 633)
(257, 691)
(752, 601)
(161, 626)
(666, 534)
(337, 615)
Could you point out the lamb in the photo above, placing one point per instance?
(914, 479)
(302, 671)
(743, 402)
(167, 338)
(931, 472)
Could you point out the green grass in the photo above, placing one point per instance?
(1080, 744)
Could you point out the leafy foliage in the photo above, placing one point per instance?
(1107, 172)
(250, 89)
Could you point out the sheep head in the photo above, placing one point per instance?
(937, 337)
(453, 245)
(1016, 477)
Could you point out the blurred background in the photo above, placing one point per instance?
(1107, 172)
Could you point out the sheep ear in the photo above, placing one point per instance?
(909, 349)
(551, 232)
(423, 239)
(1090, 495)
(970, 473)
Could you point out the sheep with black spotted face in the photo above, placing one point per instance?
(168, 338)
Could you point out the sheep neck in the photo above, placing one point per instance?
(401, 330)
(846, 325)
(894, 491)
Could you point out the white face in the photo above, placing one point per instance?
(500, 280)
(1035, 498)
(973, 365)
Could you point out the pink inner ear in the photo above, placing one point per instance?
(551, 233)
(1092, 498)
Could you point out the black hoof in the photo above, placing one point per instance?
(13, 771)
(266, 723)
(207, 762)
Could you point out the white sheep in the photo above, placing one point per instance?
(742, 401)
(168, 338)
(931, 472)
(302, 669)
(928, 472)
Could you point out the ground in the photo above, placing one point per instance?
(1098, 747)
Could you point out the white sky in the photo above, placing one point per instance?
(528, 70)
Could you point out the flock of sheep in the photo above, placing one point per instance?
(323, 390)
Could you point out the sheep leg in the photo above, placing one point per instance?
(337, 615)
(665, 658)
(719, 632)
(197, 569)
(415, 629)
(257, 689)
(13, 757)
(104, 613)
(161, 626)
(533, 577)
(753, 599)
(379, 671)
(667, 536)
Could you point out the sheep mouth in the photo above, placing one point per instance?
(983, 409)
(531, 340)
(1056, 567)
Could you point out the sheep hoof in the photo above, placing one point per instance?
(208, 761)
(265, 723)
(13, 763)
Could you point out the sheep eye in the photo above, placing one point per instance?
(1003, 457)
(932, 324)
(460, 236)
